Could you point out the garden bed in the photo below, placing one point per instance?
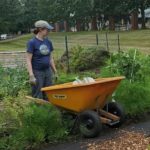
(30, 125)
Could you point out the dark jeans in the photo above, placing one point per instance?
(43, 79)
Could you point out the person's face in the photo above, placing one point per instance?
(44, 32)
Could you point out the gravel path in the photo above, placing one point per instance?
(127, 136)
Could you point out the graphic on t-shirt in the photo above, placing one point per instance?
(44, 49)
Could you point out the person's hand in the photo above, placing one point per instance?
(55, 76)
(32, 80)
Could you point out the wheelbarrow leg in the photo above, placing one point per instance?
(75, 124)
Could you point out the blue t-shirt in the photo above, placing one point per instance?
(41, 51)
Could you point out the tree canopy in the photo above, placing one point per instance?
(20, 15)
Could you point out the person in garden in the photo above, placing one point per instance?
(40, 62)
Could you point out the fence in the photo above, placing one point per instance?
(64, 44)
(110, 42)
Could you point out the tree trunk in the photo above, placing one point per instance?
(78, 25)
(57, 27)
(134, 20)
(94, 23)
(66, 27)
(111, 23)
(143, 15)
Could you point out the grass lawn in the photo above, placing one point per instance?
(128, 39)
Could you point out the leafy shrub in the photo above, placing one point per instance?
(82, 59)
(134, 91)
(134, 97)
(64, 78)
(28, 124)
(13, 80)
(132, 64)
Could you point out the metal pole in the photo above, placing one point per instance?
(67, 54)
(133, 65)
(97, 41)
(118, 43)
(107, 42)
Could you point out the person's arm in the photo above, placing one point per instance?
(52, 63)
(29, 64)
(29, 67)
(30, 49)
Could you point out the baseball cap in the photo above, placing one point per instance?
(43, 24)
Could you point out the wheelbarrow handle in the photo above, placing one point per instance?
(37, 100)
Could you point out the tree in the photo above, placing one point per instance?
(21, 14)
(111, 9)
(10, 15)
(30, 13)
(143, 4)
(134, 7)
(82, 10)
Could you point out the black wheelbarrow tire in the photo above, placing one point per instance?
(116, 109)
(89, 124)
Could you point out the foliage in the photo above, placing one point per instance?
(26, 12)
(10, 15)
(28, 124)
(134, 97)
(132, 64)
(25, 125)
(64, 78)
(134, 91)
(13, 80)
(82, 59)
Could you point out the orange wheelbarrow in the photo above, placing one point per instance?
(88, 103)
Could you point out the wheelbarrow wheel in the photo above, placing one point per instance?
(89, 124)
(117, 110)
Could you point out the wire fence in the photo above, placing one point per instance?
(64, 44)
(110, 43)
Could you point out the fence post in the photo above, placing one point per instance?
(67, 54)
(118, 38)
(107, 42)
(97, 39)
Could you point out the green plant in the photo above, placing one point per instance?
(134, 91)
(82, 59)
(13, 80)
(134, 97)
(28, 124)
(132, 64)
